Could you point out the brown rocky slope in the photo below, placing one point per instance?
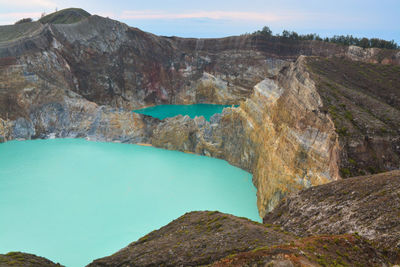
(357, 217)
(19, 259)
(367, 205)
(363, 100)
(217, 239)
(336, 250)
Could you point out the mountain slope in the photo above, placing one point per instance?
(65, 16)
(363, 99)
(368, 205)
(217, 239)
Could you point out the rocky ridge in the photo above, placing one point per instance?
(217, 239)
(196, 238)
(25, 260)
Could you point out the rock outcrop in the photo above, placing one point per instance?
(279, 134)
(367, 205)
(33, 108)
(21, 259)
(217, 239)
(196, 238)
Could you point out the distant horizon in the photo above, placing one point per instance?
(359, 18)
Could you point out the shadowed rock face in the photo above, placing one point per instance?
(368, 205)
(25, 260)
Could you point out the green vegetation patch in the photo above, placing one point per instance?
(12, 32)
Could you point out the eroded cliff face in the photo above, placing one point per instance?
(297, 142)
(34, 108)
(279, 134)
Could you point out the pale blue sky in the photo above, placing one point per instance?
(213, 18)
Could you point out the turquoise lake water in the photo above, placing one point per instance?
(72, 201)
(166, 111)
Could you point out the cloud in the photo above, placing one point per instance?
(30, 3)
(217, 15)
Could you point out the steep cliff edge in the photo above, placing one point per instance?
(279, 134)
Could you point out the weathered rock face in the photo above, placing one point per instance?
(32, 108)
(279, 134)
(109, 63)
(367, 205)
(298, 144)
(25, 260)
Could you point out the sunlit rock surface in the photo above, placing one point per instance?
(279, 134)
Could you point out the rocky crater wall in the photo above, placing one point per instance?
(83, 79)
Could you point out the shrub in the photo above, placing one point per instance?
(24, 20)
